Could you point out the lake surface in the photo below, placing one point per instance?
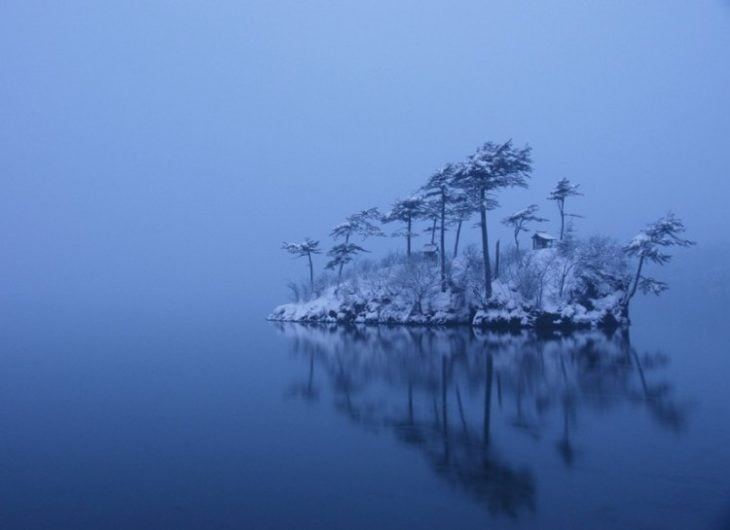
(222, 420)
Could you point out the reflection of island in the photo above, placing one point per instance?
(436, 390)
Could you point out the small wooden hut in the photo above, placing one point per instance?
(542, 240)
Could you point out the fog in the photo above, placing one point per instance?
(155, 155)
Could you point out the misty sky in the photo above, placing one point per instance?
(154, 151)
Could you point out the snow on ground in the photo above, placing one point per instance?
(386, 295)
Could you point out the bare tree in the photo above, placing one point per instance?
(649, 245)
(300, 250)
(519, 219)
(491, 168)
(563, 189)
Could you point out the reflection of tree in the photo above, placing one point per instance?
(306, 390)
(436, 390)
(657, 396)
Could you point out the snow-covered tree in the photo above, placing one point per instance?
(492, 168)
(406, 211)
(439, 189)
(649, 245)
(362, 224)
(461, 208)
(431, 214)
(563, 189)
(304, 249)
(518, 221)
(340, 255)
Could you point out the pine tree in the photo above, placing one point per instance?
(518, 220)
(649, 245)
(563, 189)
(341, 255)
(300, 250)
(491, 168)
(432, 214)
(462, 207)
(406, 211)
(361, 224)
(440, 189)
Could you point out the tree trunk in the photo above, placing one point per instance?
(339, 271)
(561, 207)
(631, 293)
(517, 241)
(311, 273)
(456, 242)
(485, 245)
(433, 231)
(408, 236)
(496, 260)
(443, 242)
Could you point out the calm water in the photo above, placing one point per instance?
(220, 420)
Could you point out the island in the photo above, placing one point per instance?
(561, 282)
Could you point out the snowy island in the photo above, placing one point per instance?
(560, 283)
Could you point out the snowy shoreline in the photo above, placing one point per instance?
(449, 309)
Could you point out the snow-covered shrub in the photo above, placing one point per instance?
(526, 277)
(322, 282)
(536, 277)
(531, 274)
(511, 262)
(471, 278)
(391, 259)
(295, 293)
(364, 267)
(600, 268)
(303, 291)
(417, 278)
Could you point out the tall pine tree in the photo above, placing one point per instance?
(491, 168)
(406, 211)
(304, 249)
(563, 189)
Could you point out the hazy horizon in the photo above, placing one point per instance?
(161, 152)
